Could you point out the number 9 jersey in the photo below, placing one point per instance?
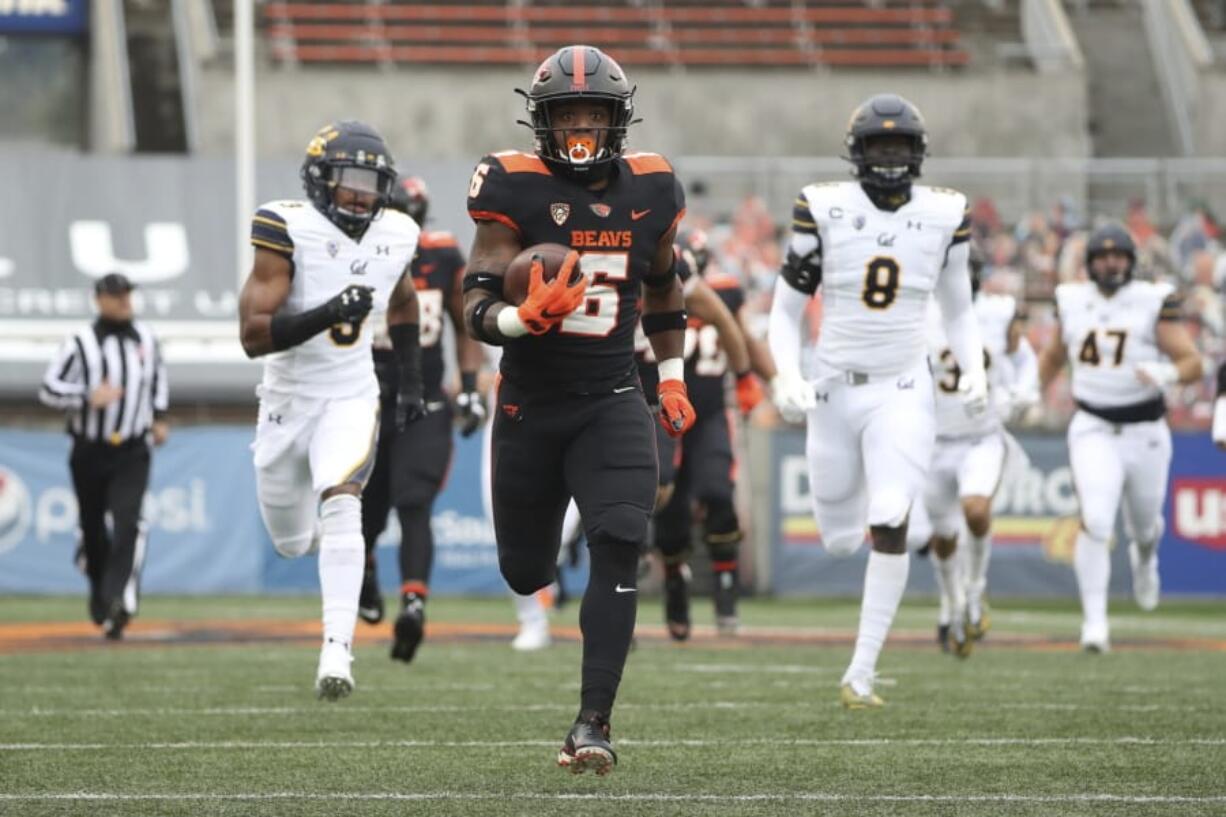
(878, 271)
(616, 230)
(323, 261)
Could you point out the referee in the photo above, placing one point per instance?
(111, 379)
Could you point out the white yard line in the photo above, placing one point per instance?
(630, 742)
(649, 797)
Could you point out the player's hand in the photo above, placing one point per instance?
(677, 414)
(351, 305)
(793, 396)
(472, 411)
(974, 390)
(748, 392)
(548, 303)
(410, 401)
(161, 432)
(1158, 373)
(1016, 403)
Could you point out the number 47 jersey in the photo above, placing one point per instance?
(879, 269)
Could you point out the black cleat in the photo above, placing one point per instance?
(116, 619)
(677, 601)
(587, 747)
(410, 627)
(370, 600)
(943, 637)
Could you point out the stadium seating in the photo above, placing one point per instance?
(689, 33)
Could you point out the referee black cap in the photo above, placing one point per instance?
(113, 283)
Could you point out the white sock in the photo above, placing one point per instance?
(884, 583)
(1092, 564)
(978, 553)
(528, 609)
(949, 580)
(342, 556)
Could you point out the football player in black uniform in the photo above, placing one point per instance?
(706, 470)
(411, 465)
(570, 418)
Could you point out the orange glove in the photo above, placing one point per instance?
(677, 414)
(748, 392)
(548, 303)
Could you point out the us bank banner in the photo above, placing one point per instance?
(1035, 527)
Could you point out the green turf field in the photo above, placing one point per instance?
(1027, 725)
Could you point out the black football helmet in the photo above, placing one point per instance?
(1110, 237)
(411, 197)
(353, 155)
(886, 115)
(579, 72)
(697, 243)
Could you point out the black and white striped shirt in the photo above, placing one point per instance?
(130, 358)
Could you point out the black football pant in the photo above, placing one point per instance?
(706, 474)
(599, 449)
(111, 479)
(410, 469)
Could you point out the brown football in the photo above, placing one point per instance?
(519, 273)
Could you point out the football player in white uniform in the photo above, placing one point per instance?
(969, 459)
(879, 247)
(320, 266)
(1126, 344)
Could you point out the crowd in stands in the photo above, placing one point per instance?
(1028, 260)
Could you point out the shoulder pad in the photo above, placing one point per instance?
(643, 163)
(515, 161)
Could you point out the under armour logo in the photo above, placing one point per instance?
(914, 225)
(383, 249)
(274, 418)
(358, 267)
(822, 396)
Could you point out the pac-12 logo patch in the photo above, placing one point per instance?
(560, 211)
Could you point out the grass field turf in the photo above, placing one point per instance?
(1028, 725)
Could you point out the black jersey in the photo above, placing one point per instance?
(706, 362)
(644, 355)
(437, 268)
(616, 230)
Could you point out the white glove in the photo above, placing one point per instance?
(1158, 373)
(1016, 403)
(793, 396)
(974, 390)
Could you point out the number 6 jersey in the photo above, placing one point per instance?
(324, 260)
(1107, 337)
(879, 269)
(616, 230)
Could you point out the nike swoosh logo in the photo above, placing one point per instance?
(621, 589)
(623, 389)
(635, 215)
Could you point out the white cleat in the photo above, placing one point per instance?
(1094, 638)
(1146, 585)
(532, 637)
(334, 680)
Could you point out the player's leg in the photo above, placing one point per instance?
(1098, 477)
(376, 503)
(670, 529)
(713, 483)
(979, 478)
(836, 473)
(342, 454)
(611, 471)
(896, 446)
(1146, 450)
(421, 457)
(941, 508)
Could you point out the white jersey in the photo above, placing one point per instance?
(336, 363)
(995, 314)
(879, 269)
(1107, 337)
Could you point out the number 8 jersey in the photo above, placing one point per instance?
(879, 269)
(1107, 337)
(616, 230)
(323, 261)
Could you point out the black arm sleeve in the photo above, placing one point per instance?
(291, 329)
(803, 274)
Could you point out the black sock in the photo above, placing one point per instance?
(607, 622)
(416, 543)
